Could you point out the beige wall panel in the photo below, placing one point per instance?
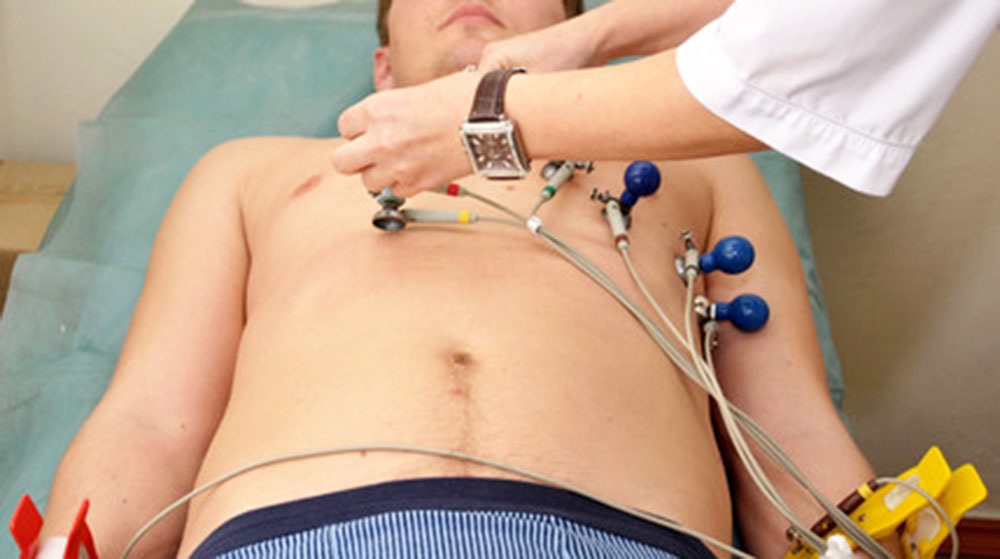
(64, 60)
(913, 284)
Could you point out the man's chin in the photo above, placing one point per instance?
(453, 66)
(463, 55)
(456, 59)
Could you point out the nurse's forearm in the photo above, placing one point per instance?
(641, 27)
(639, 110)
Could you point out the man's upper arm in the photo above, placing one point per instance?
(785, 355)
(776, 374)
(175, 369)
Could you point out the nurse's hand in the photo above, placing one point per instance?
(551, 49)
(408, 138)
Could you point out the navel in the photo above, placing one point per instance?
(461, 359)
(460, 366)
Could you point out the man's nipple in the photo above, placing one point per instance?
(310, 183)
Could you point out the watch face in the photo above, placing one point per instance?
(493, 149)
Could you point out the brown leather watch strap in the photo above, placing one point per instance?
(488, 104)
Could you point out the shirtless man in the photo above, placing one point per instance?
(275, 319)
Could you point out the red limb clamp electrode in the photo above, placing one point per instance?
(26, 524)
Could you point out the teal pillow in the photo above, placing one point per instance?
(232, 60)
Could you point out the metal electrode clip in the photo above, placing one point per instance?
(389, 218)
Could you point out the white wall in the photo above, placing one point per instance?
(6, 109)
(911, 280)
(64, 60)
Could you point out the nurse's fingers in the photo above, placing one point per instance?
(352, 122)
(376, 180)
(405, 179)
(354, 156)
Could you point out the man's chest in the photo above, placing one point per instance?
(307, 227)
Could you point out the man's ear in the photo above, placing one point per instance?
(383, 69)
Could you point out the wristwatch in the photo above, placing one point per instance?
(490, 138)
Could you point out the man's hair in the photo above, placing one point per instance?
(573, 8)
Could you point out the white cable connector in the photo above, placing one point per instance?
(837, 547)
(561, 176)
(534, 223)
(613, 211)
(616, 219)
(52, 548)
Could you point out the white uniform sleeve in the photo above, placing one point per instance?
(847, 87)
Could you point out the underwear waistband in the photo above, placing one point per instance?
(452, 494)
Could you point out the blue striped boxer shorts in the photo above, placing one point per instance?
(446, 518)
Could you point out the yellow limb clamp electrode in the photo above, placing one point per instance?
(882, 507)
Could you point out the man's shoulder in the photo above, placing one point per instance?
(266, 150)
(233, 168)
(721, 173)
(737, 163)
(242, 162)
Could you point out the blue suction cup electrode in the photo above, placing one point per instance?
(642, 178)
(732, 255)
(748, 313)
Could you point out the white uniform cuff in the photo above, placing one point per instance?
(864, 163)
